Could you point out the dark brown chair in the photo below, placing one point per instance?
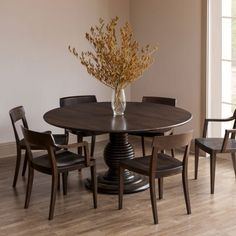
(73, 101)
(153, 133)
(213, 146)
(17, 114)
(160, 165)
(53, 163)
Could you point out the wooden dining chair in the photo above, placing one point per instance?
(214, 146)
(17, 114)
(160, 165)
(153, 133)
(55, 163)
(74, 101)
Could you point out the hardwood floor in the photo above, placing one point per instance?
(74, 213)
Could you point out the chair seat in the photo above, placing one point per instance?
(215, 144)
(153, 133)
(64, 159)
(166, 165)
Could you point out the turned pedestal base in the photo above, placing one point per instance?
(116, 150)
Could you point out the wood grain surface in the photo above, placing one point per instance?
(99, 117)
(212, 215)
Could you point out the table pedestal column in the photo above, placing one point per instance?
(116, 150)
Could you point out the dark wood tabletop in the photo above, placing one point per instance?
(138, 117)
(99, 117)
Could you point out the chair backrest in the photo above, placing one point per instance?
(75, 100)
(44, 141)
(18, 114)
(160, 100)
(172, 142)
(234, 115)
(233, 118)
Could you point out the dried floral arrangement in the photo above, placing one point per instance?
(116, 62)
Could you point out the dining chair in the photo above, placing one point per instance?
(214, 146)
(160, 165)
(17, 114)
(74, 101)
(55, 163)
(153, 133)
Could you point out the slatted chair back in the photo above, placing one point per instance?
(172, 141)
(75, 100)
(160, 100)
(18, 114)
(234, 124)
(43, 141)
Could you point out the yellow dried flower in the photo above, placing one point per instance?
(116, 63)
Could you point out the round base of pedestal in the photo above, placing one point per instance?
(132, 184)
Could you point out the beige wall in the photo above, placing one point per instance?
(176, 26)
(36, 68)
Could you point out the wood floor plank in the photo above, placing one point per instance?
(74, 213)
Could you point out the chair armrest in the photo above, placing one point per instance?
(226, 138)
(214, 120)
(221, 120)
(83, 144)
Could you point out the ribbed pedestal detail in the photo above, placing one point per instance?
(116, 150)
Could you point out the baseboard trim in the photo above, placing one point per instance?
(7, 149)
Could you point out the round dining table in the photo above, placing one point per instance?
(138, 117)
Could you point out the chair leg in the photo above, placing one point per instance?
(172, 152)
(234, 162)
(18, 160)
(58, 182)
(94, 185)
(212, 171)
(143, 145)
(79, 150)
(29, 186)
(160, 187)
(79, 140)
(186, 191)
(153, 198)
(93, 141)
(121, 187)
(25, 164)
(53, 196)
(196, 161)
(64, 182)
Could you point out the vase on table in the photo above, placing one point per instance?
(118, 101)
